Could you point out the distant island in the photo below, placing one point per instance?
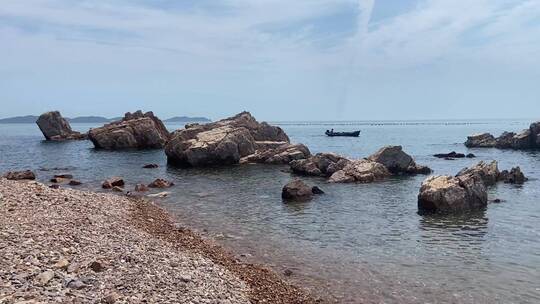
(98, 119)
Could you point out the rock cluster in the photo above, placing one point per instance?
(338, 169)
(454, 155)
(527, 139)
(229, 141)
(135, 131)
(297, 190)
(20, 175)
(466, 191)
(55, 127)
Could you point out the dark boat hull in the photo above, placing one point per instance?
(349, 134)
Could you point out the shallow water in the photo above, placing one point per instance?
(356, 243)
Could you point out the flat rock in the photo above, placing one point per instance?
(360, 171)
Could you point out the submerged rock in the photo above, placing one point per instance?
(227, 141)
(160, 183)
(113, 182)
(20, 175)
(150, 166)
(55, 127)
(452, 154)
(447, 194)
(141, 188)
(297, 190)
(134, 131)
(397, 161)
(515, 176)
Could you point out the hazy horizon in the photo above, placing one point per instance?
(282, 61)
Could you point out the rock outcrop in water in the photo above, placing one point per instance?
(297, 190)
(338, 169)
(466, 191)
(447, 194)
(527, 139)
(134, 131)
(230, 141)
(56, 128)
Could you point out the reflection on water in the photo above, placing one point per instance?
(356, 243)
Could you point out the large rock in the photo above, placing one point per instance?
(360, 171)
(484, 140)
(55, 127)
(282, 153)
(514, 176)
(227, 141)
(446, 194)
(397, 161)
(489, 173)
(320, 164)
(297, 190)
(20, 175)
(535, 134)
(134, 131)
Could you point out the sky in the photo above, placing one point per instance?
(279, 59)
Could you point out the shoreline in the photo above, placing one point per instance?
(47, 233)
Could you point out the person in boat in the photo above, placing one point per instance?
(332, 131)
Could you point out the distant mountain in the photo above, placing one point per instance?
(99, 119)
(20, 119)
(89, 119)
(183, 119)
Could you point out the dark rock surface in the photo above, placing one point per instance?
(527, 139)
(55, 127)
(113, 182)
(320, 164)
(134, 131)
(20, 175)
(297, 190)
(160, 183)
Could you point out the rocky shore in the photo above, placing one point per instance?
(70, 246)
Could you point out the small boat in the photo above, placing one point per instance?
(350, 134)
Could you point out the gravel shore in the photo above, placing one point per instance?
(70, 246)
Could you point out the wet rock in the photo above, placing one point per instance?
(452, 154)
(488, 172)
(112, 182)
(20, 175)
(515, 176)
(484, 140)
(159, 195)
(320, 164)
(297, 190)
(56, 180)
(64, 175)
(288, 272)
(223, 142)
(447, 194)
(397, 161)
(150, 166)
(470, 155)
(74, 182)
(316, 190)
(160, 183)
(117, 189)
(55, 127)
(134, 131)
(141, 188)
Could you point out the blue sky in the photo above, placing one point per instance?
(281, 60)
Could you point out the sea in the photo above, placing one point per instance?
(357, 243)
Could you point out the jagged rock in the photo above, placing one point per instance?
(488, 172)
(160, 183)
(446, 194)
(136, 131)
(20, 175)
(113, 182)
(320, 164)
(221, 143)
(282, 153)
(297, 190)
(361, 171)
(484, 140)
(397, 161)
(55, 127)
(515, 176)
